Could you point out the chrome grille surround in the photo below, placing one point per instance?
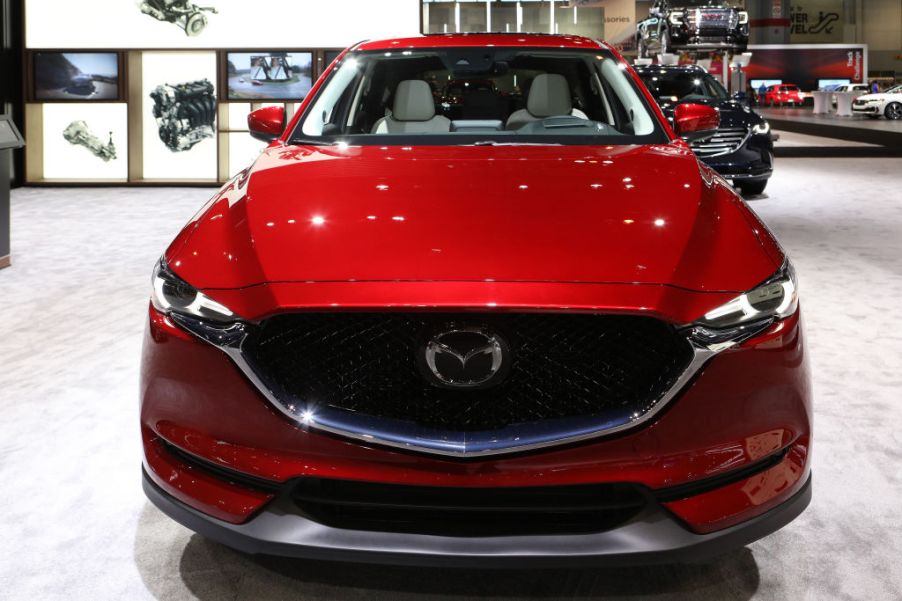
(230, 338)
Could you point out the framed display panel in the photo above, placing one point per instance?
(266, 75)
(81, 142)
(214, 24)
(75, 76)
(178, 116)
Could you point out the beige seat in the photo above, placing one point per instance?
(413, 112)
(549, 96)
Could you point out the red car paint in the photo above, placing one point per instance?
(608, 229)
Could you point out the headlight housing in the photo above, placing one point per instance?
(761, 128)
(171, 294)
(751, 312)
(743, 17)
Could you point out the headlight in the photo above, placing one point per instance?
(761, 128)
(676, 17)
(171, 294)
(750, 313)
(743, 17)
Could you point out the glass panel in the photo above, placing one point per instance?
(243, 151)
(473, 16)
(586, 21)
(504, 16)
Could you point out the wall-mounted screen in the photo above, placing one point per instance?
(77, 76)
(757, 83)
(831, 84)
(269, 75)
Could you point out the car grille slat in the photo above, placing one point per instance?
(725, 141)
(564, 366)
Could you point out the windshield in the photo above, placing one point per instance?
(673, 87)
(697, 3)
(489, 95)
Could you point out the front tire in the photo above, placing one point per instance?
(753, 187)
(893, 111)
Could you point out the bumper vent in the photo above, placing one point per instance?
(450, 511)
(563, 366)
(725, 141)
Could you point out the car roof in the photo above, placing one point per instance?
(473, 40)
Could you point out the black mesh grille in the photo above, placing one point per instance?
(468, 511)
(564, 365)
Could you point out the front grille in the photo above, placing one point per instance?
(564, 365)
(725, 141)
(452, 511)
(712, 23)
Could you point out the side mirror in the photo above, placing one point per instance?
(267, 123)
(695, 121)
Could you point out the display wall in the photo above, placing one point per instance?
(161, 97)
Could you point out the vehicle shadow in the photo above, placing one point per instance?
(189, 566)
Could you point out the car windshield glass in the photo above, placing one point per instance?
(790, 88)
(471, 95)
(672, 87)
(697, 3)
(894, 90)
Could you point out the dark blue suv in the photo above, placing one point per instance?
(742, 150)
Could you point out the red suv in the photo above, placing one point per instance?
(548, 335)
(782, 94)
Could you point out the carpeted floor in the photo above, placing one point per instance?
(74, 523)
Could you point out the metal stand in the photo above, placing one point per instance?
(10, 139)
(5, 164)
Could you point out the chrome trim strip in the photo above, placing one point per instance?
(409, 436)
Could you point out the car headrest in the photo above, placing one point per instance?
(413, 101)
(549, 95)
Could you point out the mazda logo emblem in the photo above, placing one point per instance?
(465, 357)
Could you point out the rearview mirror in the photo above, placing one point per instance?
(267, 123)
(695, 121)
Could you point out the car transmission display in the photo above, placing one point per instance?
(77, 133)
(183, 13)
(185, 113)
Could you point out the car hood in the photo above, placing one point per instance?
(589, 214)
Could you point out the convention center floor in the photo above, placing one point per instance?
(75, 523)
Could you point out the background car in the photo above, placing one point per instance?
(783, 94)
(692, 24)
(860, 88)
(742, 149)
(888, 104)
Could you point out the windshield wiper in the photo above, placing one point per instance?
(496, 143)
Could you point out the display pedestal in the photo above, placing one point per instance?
(844, 103)
(821, 102)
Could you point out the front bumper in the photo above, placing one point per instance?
(746, 405)
(753, 160)
(652, 537)
(866, 109)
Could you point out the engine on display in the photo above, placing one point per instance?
(77, 133)
(185, 113)
(183, 13)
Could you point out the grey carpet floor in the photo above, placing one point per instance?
(74, 523)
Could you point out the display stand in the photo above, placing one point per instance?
(821, 102)
(10, 139)
(844, 103)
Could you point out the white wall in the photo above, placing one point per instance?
(239, 24)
